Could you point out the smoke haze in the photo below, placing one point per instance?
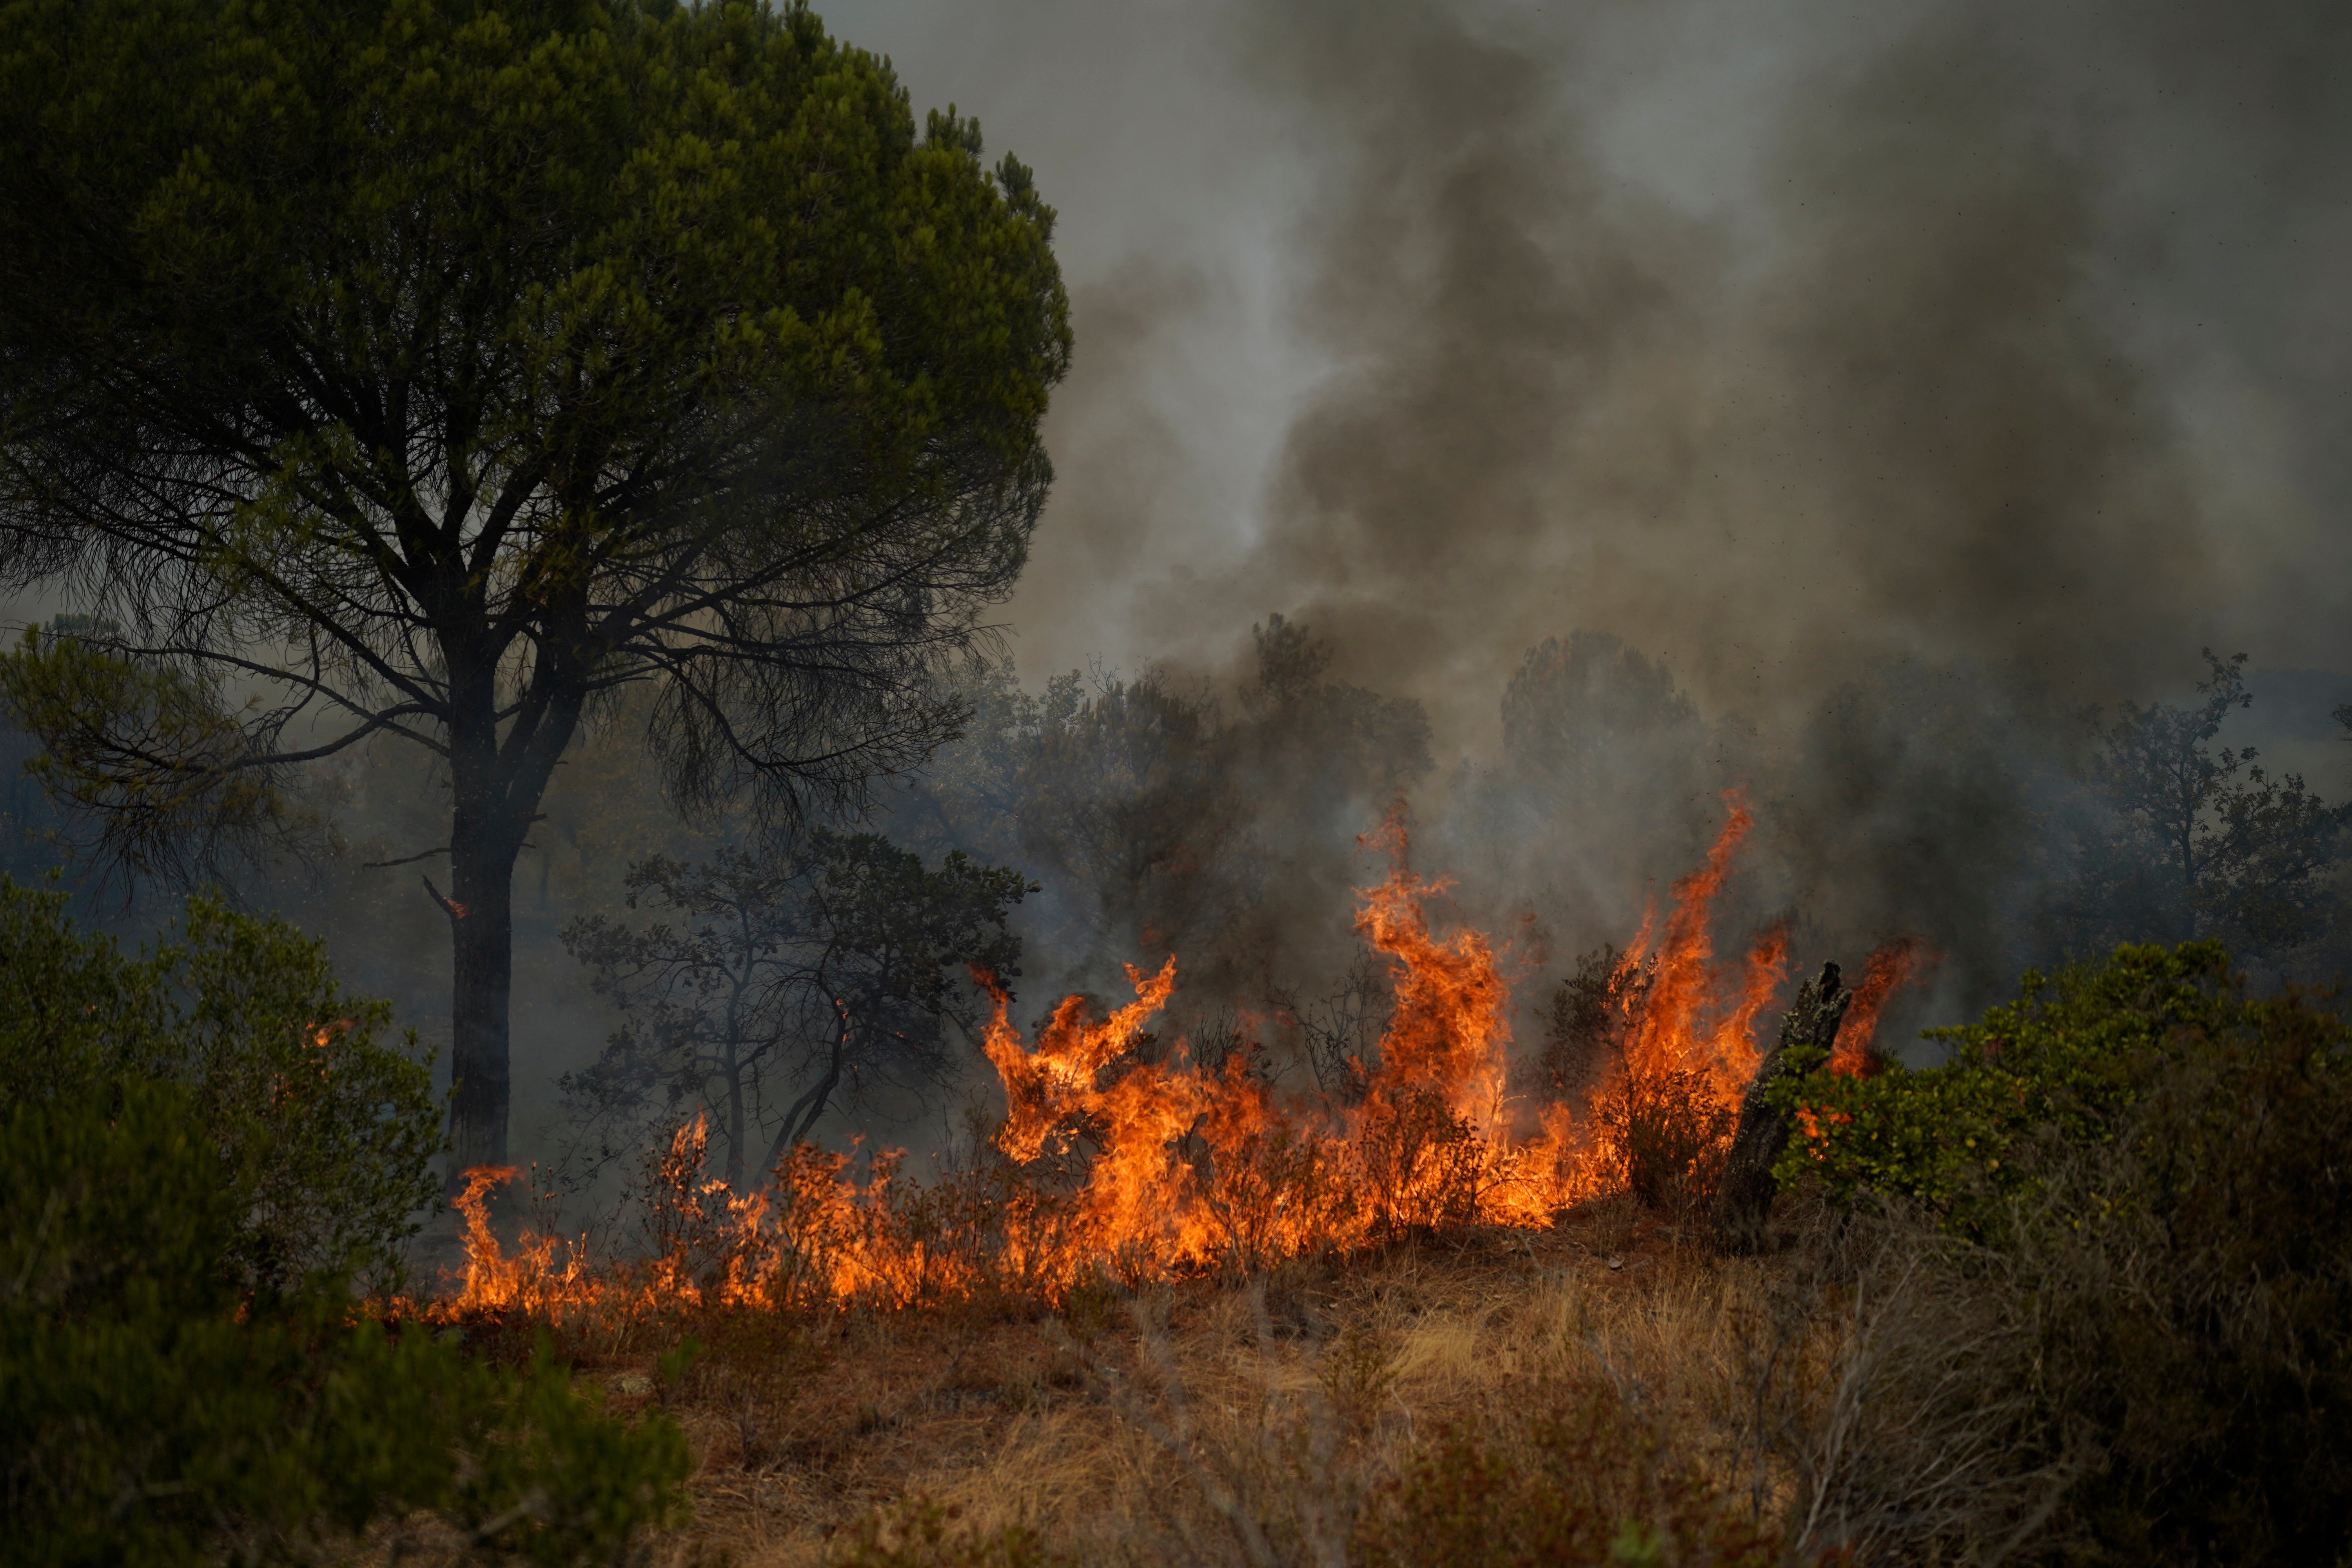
(1765, 338)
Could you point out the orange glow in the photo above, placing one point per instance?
(1905, 960)
(1133, 1165)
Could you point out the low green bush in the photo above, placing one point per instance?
(326, 1133)
(2182, 1293)
(2056, 1061)
(199, 1144)
(2144, 1170)
(154, 1409)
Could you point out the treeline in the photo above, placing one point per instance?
(1105, 820)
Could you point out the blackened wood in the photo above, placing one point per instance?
(1743, 1198)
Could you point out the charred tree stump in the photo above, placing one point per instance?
(1743, 1198)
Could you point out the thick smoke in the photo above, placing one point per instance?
(1766, 338)
(1902, 383)
(1912, 405)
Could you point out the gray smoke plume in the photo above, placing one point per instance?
(1762, 337)
(1902, 380)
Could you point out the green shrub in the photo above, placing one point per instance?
(2182, 1293)
(153, 1410)
(2148, 1165)
(326, 1135)
(1578, 1481)
(2057, 1059)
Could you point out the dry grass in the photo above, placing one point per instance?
(1224, 1425)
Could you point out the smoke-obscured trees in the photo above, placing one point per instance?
(792, 983)
(2198, 840)
(1159, 821)
(414, 373)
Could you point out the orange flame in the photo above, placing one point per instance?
(1137, 1165)
(1684, 1025)
(1905, 960)
(1449, 1035)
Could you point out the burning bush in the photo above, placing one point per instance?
(1669, 1131)
(1123, 1158)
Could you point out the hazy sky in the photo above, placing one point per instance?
(1761, 334)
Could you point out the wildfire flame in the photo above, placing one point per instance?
(1109, 1163)
(1895, 964)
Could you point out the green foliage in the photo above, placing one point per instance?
(2184, 1290)
(1576, 1480)
(327, 1135)
(143, 736)
(2057, 1058)
(620, 313)
(2149, 1162)
(153, 1412)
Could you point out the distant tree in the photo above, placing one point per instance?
(1607, 781)
(1159, 820)
(425, 369)
(2201, 841)
(793, 982)
(1572, 711)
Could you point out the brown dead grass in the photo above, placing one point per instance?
(1137, 1429)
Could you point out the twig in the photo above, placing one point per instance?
(454, 911)
(405, 859)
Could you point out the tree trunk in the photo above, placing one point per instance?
(495, 791)
(1743, 1198)
(481, 931)
(735, 1133)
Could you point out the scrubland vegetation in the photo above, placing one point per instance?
(441, 439)
(2110, 1320)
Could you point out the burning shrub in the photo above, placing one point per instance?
(153, 1410)
(2055, 1060)
(1670, 1131)
(327, 1135)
